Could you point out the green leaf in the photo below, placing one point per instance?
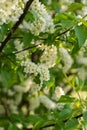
(16, 117)
(71, 124)
(3, 121)
(81, 34)
(12, 127)
(3, 31)
(38, 125)
(27, 38)
(79, 83)
(84, 22)
(55, 5)
(65, 114)
(66, 99)
(75, 6)
(33, 118)
(58, 127)
(48, 122)
(58, 17)
(8, 77)
(43, 123)
(67, 23)
(29, 16)
(85, 117)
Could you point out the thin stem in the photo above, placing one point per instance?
(25, 49)
(14, 37)
(65, 31)
(53, 124)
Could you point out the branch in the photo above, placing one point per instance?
(53, 124)
(65, 31)
(25, 49)
(14, 37)
(16, 25)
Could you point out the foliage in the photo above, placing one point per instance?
(43, 64)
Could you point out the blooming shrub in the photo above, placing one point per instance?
(43, 64)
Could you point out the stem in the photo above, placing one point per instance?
(53, 124)
(16, 25)
(14, 37)
(25, 49)
(65, 31)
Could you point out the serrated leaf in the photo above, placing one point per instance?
(71, 124)
(67, 23)
(81, 34)
(65, 114)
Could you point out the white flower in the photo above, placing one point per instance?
(31, 86)
(10, 10)
(1, 128)
(19, 125)
(66, 58)
(49, 2)
(49, 56)
(48, 103)
(82, 73)
(82, 60)
(18, 98)
(18, 88)
(44, 72)
(58, 93)
(30, 67)
(43, 21)
(34, 103)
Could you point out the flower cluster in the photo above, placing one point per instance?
(47, 60)
(10, 10)
(66, 58)
(49, 56)
(32, 68)
(43, 21)
(29, 66)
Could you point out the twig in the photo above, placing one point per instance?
(14, 37)
(53, 124)
(25, 49)
(65, 31)
(16, 25)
